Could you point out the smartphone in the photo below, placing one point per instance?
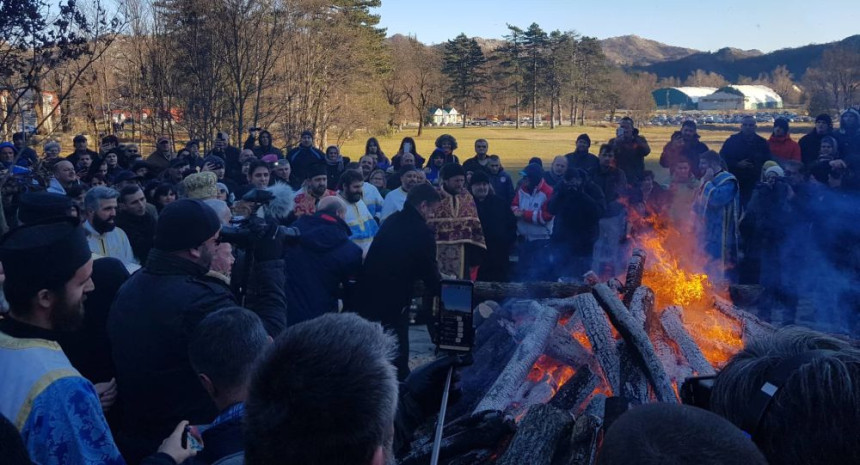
(456, 331)
(189, 439)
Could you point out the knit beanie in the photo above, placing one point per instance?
(185, 224)
(781, 123)
(775, 169)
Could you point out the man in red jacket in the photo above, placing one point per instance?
(782, 146)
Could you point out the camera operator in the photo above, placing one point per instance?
(578, 204)
(158, 308)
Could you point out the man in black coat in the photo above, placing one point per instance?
(500, 229)
(810, 144)
(745, 153)
(230, 154)
(578, 205)
(322, 262)
(158, 308)
(133, 219)
(685, 145)
(302, 157)
(403, 252)
(581, 158)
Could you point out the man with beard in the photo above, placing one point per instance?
(745, 153)
(135, 222)
(460, 244)
(316, 187)
(104, 237)
(358, 217)
(685, 145)
(395, 199)
(581, 158)
(500, 229)
(322, 263)
(48, 271)
(157, 309)
(302, 157)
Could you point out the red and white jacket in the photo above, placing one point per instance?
(536, 222)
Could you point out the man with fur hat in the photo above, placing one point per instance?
(157, 309)
(48, 271)
(781, 145)
(460, 244)
(810, 144)
(534, 221)
(315, 188)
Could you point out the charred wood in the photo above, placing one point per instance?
(642, 304)
(600, 335)
(494, 348)
(614, 407)
(584, 441)
(634, 383)
(480, 431)
(538, 436)
(526, 290)
(564, 348)
(635, 335)
(635, 271)
(500, 394)
(576, 390)
(751, 326)
(673, 325)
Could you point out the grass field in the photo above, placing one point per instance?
(516, 146)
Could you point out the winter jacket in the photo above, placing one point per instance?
(503, 186)
(403, 252)
(232, 167)
(577, 216)
(630, 156)
(158, 161)
(848, 137)
(583, 161)
(784, 148)
(500, 233)
(681, 149)
(150, 324)
(739, 148)
(259, 150)
(474, 165)
(810, 146)
(536, 222)
(317, 266)
(140, 231)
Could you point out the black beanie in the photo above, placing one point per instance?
(781, 123)
(35, 207)
(480, 177)
(450, 170)
(185, 224)
(42, 256)
(584, 137)
(826, 118)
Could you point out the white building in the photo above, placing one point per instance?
(741, 97)
(446, 117)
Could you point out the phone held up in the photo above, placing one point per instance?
(455, 320)
(190, 438)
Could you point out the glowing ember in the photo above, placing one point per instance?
(582, 338)
(547, 369)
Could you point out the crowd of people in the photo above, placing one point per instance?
(143, 294)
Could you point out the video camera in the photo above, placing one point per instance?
(245, 232)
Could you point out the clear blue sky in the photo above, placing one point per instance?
(766, 25)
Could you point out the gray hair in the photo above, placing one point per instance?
(94, 196)
(51, 144)
(225, 344)
(807, 420)
(324, 393)
(221, 209)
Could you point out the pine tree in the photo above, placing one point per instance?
(464, 65)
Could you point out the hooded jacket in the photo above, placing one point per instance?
(784, 148)
(848, 137)
(323, 259)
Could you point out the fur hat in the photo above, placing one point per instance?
(282, 205)
(201, 185)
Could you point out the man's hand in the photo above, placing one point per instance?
(172, 445)
(208, 167)
(426, 383)
(107, 393)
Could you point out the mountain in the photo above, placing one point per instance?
(632, 50)
(731, 63)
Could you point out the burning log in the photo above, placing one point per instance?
(673, 325)
(677, 369)
(480, 431)
(537, 436)
(751, 326)
(642, 304)
(584, 441)
(564, 348)
(527, 352)
(494, 347)
(600, 335)
(635, 270)
(576, 390)
(635, 335)
(634, 383)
